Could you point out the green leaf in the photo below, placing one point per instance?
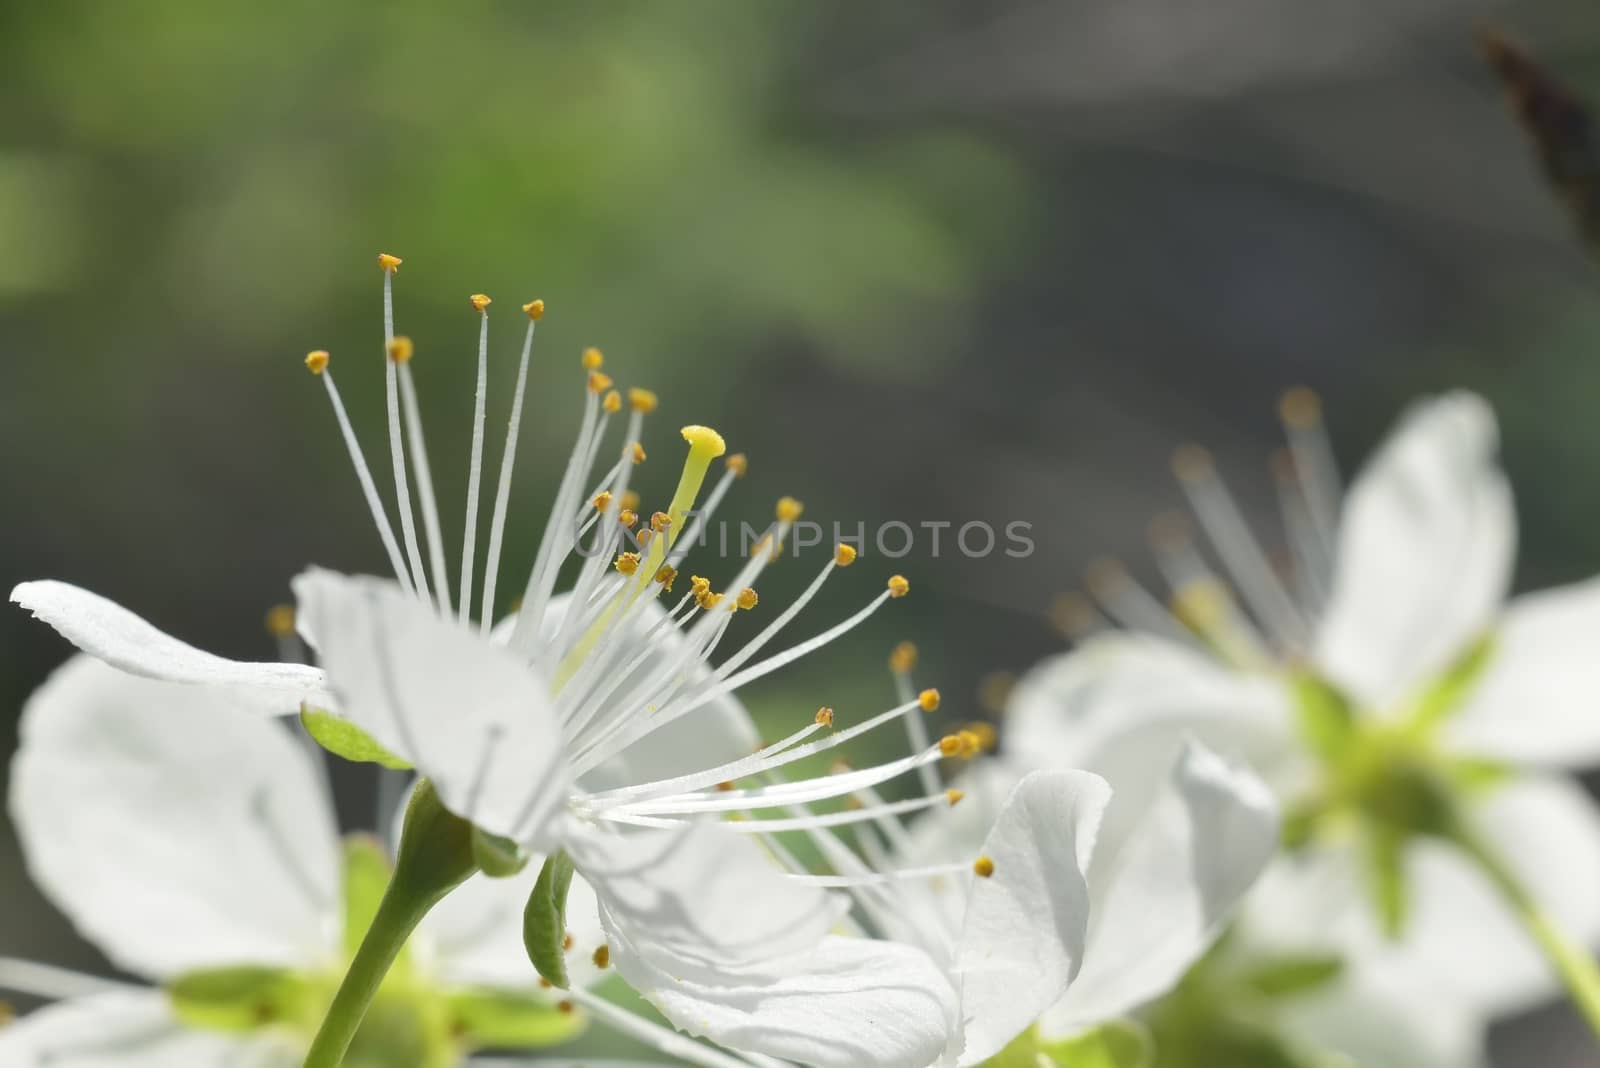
(497, 857)
(1441, 700)
(1289, 976)
(238, 999)
(1118, 1044)
(497, 1019)
(1327, 722)
(344, 739)
(544, 921)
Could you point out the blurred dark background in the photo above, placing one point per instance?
(922, 261)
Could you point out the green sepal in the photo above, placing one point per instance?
(497, 857)
(240, 999)
(1387, 877)
(497, 1019)
(1327, 720)
(1441, 700)
(344, 739)
(544, 921)
(1290, 976)
(1118, 1044)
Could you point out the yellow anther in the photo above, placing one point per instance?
(971, 744)
(898, 586)
(903, 659)
(844, 555)
(479, 301)
(602, 957)
(985, 733)
(660, 521)
(824, 717)
(699, 584)
(611, 402)
(534, 310)
(666, 574)
(1073, 615)
(727, 787)
(1106, 577)
(928, 700)
(747, 598)
(642, 400)
(630, 500)
(738, 464)
(853, 804)
(983, 867)
(401, 349)
(628, 518)
(566, 1008)
(1300, 407)
(708, 600)
(638, 454)
(593, 358)
(1281, 463)
(1191, 463)
(567, 942)
(644, 536)
(789, 509)
(628, 563)
(1169, 531)
(839, 766)
(954, 796)
(994, 690)
(545, 984)
(602, 500)
(950, 745)
(280, 620)
(317, 362)
(599, 382)
(389, 263)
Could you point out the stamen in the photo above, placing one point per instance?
(864, 814)
(419, 460)
(901, 662)
(56, 984)
(469, 538)
(508, 461)
(983, 868)
(1200, 600)
(1130, 604)
(318, 363)
(663, 1041)
(1301, 411)
(879, 878)
(1237, 546)
(402, 489)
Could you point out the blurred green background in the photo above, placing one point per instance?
(927, 262)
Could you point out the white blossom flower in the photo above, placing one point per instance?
(1395, 700)
(196, 846)
(589, 722)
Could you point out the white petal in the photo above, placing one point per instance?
(134, 1030)
(1378, 1023)
(704, 893)
(1424, 555)
(470, 716)
(844, 1003)
(1025, 926)
(704, 925)
(1161, 897)
(1539, 698)
(176, 831)
(1126, 706)
(106, 630)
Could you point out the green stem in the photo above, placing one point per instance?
(435, 857)
(1579, 971)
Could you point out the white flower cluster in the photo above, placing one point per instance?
(618, 815)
